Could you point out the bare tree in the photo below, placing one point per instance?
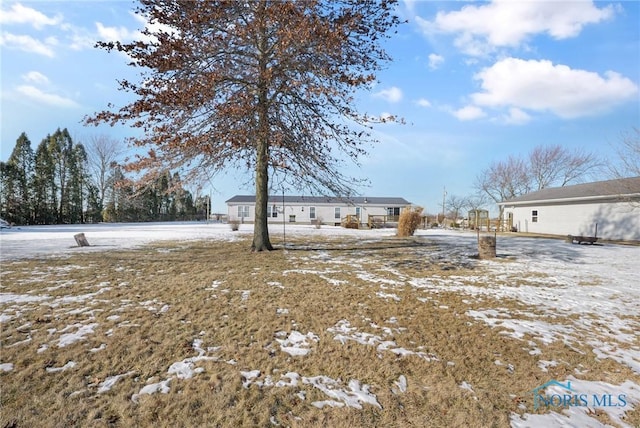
(455, 205)
(504, 179)
(262, 85)
(476, 201)
(556, 165)
(103, 152)
(627, 162)
(544, 167)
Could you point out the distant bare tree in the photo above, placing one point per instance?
(556, 165)
(455, 205)
(627, 150)
(544, 167)
(504, 180)
(103, 151)
(476, 201)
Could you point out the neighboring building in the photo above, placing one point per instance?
(606, 209)
(312, 209)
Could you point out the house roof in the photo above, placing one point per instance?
(309, 200)
(619, 188)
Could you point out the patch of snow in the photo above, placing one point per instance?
(249, 377)
(352, 398)
(185, 369)
(297, 344)
(111, 381)
(69, 365)
(343, 332)
(467, 386)
(161, 387)
(99, 348)
(388, 296)
(80, 334)
(400, 385)
(6, 367)
(21, 298)
(330, 403)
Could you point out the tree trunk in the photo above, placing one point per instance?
(261, 240)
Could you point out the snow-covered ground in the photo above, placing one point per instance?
(589, 287)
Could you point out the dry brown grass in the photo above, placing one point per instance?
(149, 305)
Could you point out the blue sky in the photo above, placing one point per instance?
(474, 81)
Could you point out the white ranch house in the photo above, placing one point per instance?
(313, 209)
(608, 210)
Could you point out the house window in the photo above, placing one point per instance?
(358, 212)
(393, 211)
(312, 213)
(243, 211)
(292, 218)
(534, 216)
(272, 211)
(337, 213)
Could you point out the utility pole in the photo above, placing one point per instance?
(208, 208)
(444, 195)
(284, 226)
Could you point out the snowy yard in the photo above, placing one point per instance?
(159, 322)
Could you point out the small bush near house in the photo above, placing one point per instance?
(410, 219)
(317, 223)
(234, 224)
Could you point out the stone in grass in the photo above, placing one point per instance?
(81, 240)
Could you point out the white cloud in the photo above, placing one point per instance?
(35, 77)
(508, 23)
(543, 86)
(435, 61)
(469, 112)
(392, 95)
(516, 117)
(29, 44)
(423, 102)
(114, 34)
(39, 96)
(19, 14)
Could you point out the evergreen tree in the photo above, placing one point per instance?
(93, 213)
(7, 192)
(61, 150)
(45, 190)
(77, 183)
(21, 167)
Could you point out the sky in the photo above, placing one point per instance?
(475, 82)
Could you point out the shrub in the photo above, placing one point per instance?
(234, 224)
(317, 222)
(409, 220)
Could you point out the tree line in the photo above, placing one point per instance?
(63, 182)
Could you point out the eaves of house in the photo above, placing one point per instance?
(610, 190)
(318, 200)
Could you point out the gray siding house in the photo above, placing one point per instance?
(312, 209)
(609, 210)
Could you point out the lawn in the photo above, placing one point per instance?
(336, 328)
